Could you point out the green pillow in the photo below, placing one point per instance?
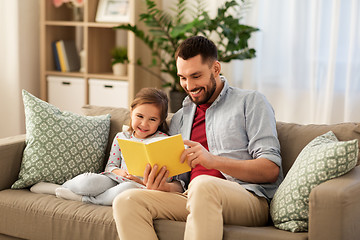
(60, 145)
(322, 159)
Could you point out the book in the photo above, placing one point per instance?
(71, 55)
(60, 51)
(56, 56)
(163, 152)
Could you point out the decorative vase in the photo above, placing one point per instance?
(78, 13)
(82, 60)
(119, 69)
(176, 99)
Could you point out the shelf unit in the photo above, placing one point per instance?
(96, 39)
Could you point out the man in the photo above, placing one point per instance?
(233, 151)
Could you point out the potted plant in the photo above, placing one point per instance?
(165, 32)
(119, 60)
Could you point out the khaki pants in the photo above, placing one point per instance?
(209, 203)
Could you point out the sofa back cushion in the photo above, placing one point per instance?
(119, 117)
(294, 137)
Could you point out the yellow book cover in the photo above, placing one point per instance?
(163, 152)
(59, 48)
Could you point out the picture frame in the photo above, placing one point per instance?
(116, 11)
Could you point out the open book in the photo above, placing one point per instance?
(163, 152)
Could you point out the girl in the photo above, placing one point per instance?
(148, 120)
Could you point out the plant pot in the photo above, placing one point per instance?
(119, 69)
(176, 99)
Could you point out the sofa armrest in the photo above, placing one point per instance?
(11, 151)
(334, 208)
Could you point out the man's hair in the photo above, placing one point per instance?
(152, 96)
(196, 45)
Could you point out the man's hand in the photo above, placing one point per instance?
(153, 181)
(158, 182)
(197, 154)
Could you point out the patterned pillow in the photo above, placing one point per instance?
(60, 145)
(322, 159)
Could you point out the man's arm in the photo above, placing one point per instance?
(259, 170)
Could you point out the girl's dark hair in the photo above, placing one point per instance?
(153, 96)
(196, 45)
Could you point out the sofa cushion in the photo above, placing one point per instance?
(28, 215)
(322, 159)
(57, 218)
(174, 230)
(60, 145)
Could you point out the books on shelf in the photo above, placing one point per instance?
(56, 56)
(66, 56)
(163, 152)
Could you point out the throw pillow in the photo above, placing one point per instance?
(60, 145)
(324, 158)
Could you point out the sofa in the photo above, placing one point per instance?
(334, 206)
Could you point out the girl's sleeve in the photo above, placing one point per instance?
(114, 161)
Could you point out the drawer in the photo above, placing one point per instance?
(67, 93)
(108, 93)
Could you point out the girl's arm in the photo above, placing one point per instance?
(114, 161)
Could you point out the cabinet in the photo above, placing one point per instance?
(95, 41)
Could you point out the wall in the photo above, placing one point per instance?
(19, 61)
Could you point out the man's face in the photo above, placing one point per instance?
(197, 79)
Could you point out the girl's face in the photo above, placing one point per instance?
(145, 120)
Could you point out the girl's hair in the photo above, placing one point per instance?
(153, 96)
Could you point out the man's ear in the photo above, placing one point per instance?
(217, 68)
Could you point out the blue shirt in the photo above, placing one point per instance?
(240, 124)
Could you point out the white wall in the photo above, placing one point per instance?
(19, 61)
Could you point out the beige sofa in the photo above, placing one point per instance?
(334, 205)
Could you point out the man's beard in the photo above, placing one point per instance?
(208, 94)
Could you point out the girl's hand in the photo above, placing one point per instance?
(125, 174)
(135, 179)
(120, 172)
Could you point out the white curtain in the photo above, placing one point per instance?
(308, 59)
